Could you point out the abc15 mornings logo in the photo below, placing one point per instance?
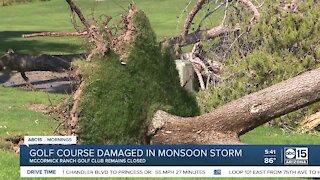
(296, 155)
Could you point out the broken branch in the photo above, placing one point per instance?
(55, 34)
(191, 16)
(75, 9)
(196, 36)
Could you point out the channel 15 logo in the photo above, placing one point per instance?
(296, 155)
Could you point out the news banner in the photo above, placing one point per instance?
(54, 156)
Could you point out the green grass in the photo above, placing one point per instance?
(54, 16)
(269, 135)
(17, 119)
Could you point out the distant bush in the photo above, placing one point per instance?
(11, 2)
(119, 100)
(283, 44)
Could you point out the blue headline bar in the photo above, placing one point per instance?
(170, 155)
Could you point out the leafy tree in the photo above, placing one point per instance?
(283, 44)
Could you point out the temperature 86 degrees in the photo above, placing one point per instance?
(269, 160)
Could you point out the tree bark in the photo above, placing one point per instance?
(225, 124)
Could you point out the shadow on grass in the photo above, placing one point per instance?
(57, 85)
(13, 40)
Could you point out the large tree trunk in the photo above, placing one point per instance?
(225, 124)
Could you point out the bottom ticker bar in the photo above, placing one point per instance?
(170, 171)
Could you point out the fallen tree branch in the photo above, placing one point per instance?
(204, 67)
(74, 113)
(225, 124)
(182, 12)
(199, 75)
(208, 13)
(95, 34)
(191, 16)
(200, 35)
(43, 62)
(225, 13)
(253, 8)
(55, 34)
(74, 8)
(211, 33)
(198, 65)
(22, 63)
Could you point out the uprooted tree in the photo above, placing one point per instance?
(228, 122)
(131, 76)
